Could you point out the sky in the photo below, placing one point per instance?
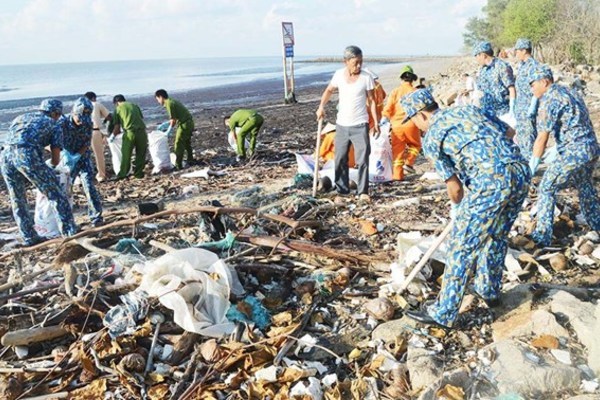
(51, 31)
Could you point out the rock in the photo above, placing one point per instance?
(539, 322)
(594, 349)
(391, 330)
(581, 315)
(586, 249)
(380, 308)
(559, 262)
(514, 372)
(460, 378)
(424, 368)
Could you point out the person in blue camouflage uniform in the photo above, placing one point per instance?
(565, 116)
(468, 147)
(77, 137)
(495, 81)
(22, 161)
(525, 103)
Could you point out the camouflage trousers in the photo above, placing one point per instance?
(85, 171)
(21, 165)
(479, 240)
(561, 174)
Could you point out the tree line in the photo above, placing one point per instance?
(561, 30)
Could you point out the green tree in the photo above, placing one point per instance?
(533, 19)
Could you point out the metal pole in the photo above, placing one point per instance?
(316, 174)
(285, 78)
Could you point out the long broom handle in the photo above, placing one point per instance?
(316, 174)
(417, 268)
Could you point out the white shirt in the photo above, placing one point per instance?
(99, 112)
(352, 108)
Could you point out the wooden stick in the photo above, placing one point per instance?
(25, 337)
(306, 247)
(136, 221)
(29, 291)
(316, 174)
(436, 243)
(25, 278)
(88, 245)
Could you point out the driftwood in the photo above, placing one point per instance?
(306, 247)
(135, 221)
(25, 337)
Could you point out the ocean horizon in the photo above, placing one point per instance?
(23, 86)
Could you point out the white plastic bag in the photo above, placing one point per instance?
(116, 154)
(232, 139)
(380, 160)
(46, 216)
(195, 284)
(158, 144)
(509, 119)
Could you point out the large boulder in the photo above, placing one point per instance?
(515, 371)
(581, 315)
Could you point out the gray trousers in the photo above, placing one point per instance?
(358, 135)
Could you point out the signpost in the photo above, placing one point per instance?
(287, 29)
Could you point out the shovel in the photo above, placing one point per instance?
(316, 174)
(417, 268)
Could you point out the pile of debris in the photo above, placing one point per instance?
(246, 287)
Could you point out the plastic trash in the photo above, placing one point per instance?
(114, 145)
(128, 245)
(380, 160)
(259, 314)
(158, 145)
(312, 390)
(223, 244)
(122, 319)
(46, 217)
(195, 284)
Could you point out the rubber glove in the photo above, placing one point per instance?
(169, 131)
(164, 126)
(70, 159)
(550, 155)
(532, 110)
(454, 211)
(111, 138)
(384, 121)
(511, 105)
(534, 163)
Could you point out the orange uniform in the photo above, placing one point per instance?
(379, 95)
(406, 138)
(326, 151)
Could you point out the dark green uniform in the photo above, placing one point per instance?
(183, 136)
(249, 121)
(130, 118)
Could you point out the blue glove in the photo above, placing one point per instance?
(534, 163)
(384, 121)
(532, 110)
(164, 126)
(169, 131)
(511, 105)
(454, 210)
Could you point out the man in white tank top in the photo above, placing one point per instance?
(355, 88)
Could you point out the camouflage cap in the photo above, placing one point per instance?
(415, 102)
(482, 47)
(523, 44)
(51, 105)
(542, 71)
(82, 108)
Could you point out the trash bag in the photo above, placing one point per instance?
(196, 285)
(380, 160)
(46, 216)
(114, 145)
(232, 139)
(122, 319)
(158, 144)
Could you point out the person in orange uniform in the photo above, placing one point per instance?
(406, 137)
(326, 151)
(379, 96)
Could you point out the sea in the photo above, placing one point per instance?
(22, 87)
